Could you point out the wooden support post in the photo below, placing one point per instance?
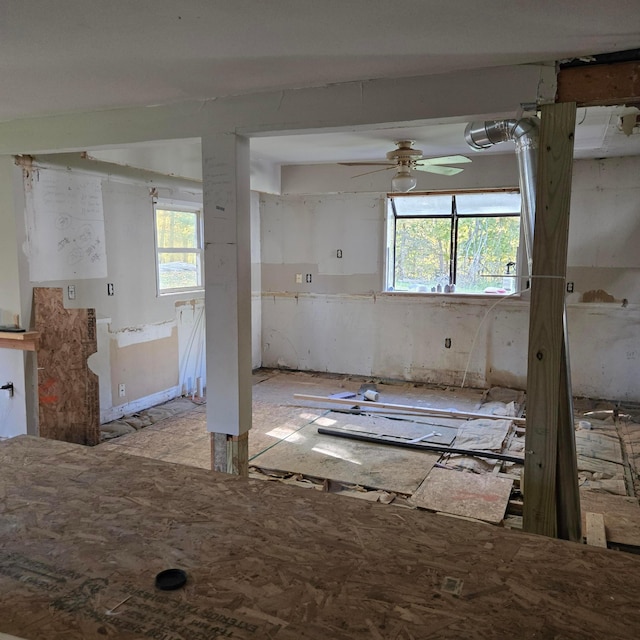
(545, 418)
(230, 454)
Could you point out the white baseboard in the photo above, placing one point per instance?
(113, 413)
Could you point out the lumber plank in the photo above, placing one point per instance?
(595, 532)
(429, 411)
(546, 331)
(23, 340)
(568, 494)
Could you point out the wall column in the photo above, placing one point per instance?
(227, 224)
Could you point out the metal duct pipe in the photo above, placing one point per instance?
(524, 132)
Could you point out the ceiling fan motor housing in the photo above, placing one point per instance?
(405, 153)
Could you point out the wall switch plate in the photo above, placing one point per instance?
(71, 292)
(298, 278)
(122, 390)
(110, 289)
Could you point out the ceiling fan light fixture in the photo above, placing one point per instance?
(403, 181)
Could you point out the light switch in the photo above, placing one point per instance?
(298, 278)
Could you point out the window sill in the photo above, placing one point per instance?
(179, 292)
(517, 295)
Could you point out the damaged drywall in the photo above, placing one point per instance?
(340, 322)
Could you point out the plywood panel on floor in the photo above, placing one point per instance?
(83, 533)
(370, 465)
(479, 496)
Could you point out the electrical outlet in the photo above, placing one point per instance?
(298, 278)
(447, 343)
(122, 390)
(71, 292)
(110, 290)
(339, 253)
(569, 287)
(308, 277)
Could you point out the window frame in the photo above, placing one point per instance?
(392, 216)
(179, 206)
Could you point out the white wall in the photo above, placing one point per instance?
(149, 343)
(341, 323)
(13, 410)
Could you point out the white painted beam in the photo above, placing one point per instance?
(386, 102)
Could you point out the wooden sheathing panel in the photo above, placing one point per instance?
(548, 392)
(84, 532)
(69, 406)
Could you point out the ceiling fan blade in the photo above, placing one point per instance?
(446, 160)
(391, 166)
(366, 164)
(443, 171)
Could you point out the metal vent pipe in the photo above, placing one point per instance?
(524, 132)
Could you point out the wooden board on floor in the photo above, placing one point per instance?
(595, 533)
(601, 446)
(370, 465)
(621, 515)
(83, 533)
(478, 496)
(69, 406)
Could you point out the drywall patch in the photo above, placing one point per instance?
(597, 295)
(144, 333)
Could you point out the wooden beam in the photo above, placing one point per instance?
(546, 332)
(429, 411)
(600, 84)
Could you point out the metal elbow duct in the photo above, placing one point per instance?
(524, 132)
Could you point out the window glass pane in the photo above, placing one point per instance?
(483, 203)
(177, 270)
(422, 205)
(422, 254)
(176, 229)
(485, 247)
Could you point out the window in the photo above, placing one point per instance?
(463, 242)
(178, 247)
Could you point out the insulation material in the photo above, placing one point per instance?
(482, 435)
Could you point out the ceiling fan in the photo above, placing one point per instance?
(404, 159)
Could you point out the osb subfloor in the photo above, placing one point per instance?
(284, 444)
(85, 531)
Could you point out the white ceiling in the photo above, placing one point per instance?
(77, 55)
(71, 55)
